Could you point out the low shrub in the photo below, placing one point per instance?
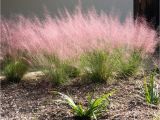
(98, 66)
(152, 95)
(14, 70)
(95, 106)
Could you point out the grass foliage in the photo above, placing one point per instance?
(129, 64)
(71, 35)
(97, 66)
(71, 71)
(57, 70)
(100, 66)
(15, 70)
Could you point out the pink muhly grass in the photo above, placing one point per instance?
(73, 34)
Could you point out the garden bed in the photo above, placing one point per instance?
(34, 99)
(79, 55)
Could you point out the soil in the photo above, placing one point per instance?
(33, 99)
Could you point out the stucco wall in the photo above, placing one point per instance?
(36, 7)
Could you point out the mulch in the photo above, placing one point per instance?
(34, 100)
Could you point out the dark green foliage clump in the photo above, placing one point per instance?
(98, 66)
(128, 66)
(57, 70)
(14, 70)
(72, 71)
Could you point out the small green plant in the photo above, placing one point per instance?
(128, 66)
(15, 70)
(97, 66)
(152, 94)
(95, 106)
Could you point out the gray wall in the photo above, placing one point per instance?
(36, 7)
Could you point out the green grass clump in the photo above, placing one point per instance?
(14, 70)
(54, 69)
(128, 63)
(57, 70)
(71, 71)
(57, 75)
(95, 106)
(97, 66)
(100, 66)
(152, 95)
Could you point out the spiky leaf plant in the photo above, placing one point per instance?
(152, 95)
(95, 106)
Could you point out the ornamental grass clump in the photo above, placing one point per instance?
(72, 34)
(97, 66)
(95, 106)
(55, 69)
(128, 62)
(14, 70)
(71, 70)
(152, 94)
